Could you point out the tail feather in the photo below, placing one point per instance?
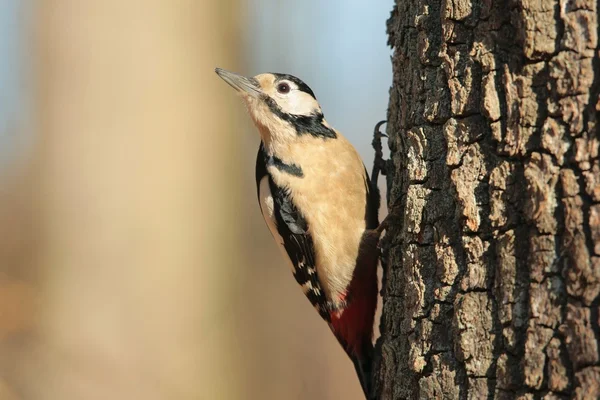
(363, 364)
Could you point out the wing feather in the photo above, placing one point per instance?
(290, 230)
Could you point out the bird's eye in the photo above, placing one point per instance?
(283, 88)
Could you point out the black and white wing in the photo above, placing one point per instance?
(290, 231)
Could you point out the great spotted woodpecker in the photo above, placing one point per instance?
(322, 210)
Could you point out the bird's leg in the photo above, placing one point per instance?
(390, 220)
(379, 164)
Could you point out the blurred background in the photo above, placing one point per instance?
(134, 262)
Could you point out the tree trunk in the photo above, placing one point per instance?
(132, 281)
(492, 283)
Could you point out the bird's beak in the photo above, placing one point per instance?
(240, 83)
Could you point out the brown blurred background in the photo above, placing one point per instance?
(134, 262)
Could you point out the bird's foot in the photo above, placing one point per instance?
(390, 220)
(379, 164)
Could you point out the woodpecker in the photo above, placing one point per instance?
(316, 198)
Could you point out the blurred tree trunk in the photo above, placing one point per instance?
(493, 274)
(135, 280)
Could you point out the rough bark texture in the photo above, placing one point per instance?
(492, 283)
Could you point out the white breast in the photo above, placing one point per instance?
(267, 207)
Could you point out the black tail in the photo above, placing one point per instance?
(364, 370)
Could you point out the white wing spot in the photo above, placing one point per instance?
(267, 207)
(307, 287)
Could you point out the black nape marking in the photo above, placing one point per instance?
(291, 169)
(303, 87)
(311, 124)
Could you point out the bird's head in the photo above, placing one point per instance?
(281, 106)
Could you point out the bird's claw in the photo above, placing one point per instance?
(379, 164)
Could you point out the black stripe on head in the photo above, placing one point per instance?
(311, 124)
(303, 87)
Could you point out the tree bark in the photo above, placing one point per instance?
(492, 278)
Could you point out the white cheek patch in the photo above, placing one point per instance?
(297, 103)
(267, 207)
